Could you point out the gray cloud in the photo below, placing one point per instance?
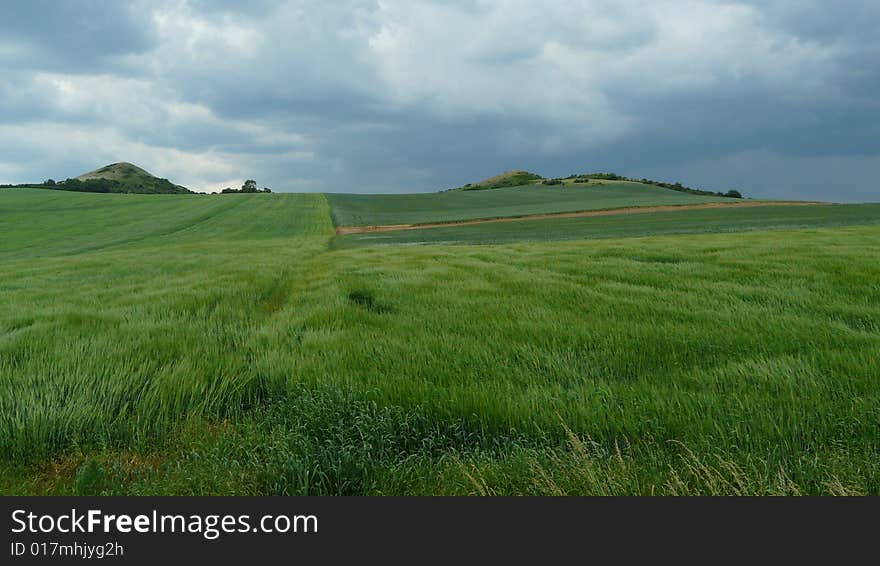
(75, 35)
(399, 96)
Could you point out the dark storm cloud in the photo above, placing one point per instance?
(822, 20)
(74, 35)
(774, 98)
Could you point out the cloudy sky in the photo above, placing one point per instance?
(778, 98)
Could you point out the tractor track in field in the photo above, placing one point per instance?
(344, 230)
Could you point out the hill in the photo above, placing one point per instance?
(532, 198)
(123, 178)
(517, 193)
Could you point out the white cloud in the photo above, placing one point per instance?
(186, 35)
(573, 64)
(100, 146)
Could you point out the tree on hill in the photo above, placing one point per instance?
(249, 187)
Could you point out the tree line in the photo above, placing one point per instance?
(585, 178)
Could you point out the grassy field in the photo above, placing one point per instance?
(368, 210)
(218, 345)
(38, 223)
(628, 225)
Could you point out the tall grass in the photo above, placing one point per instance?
(239, 355)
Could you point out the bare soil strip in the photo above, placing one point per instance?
(343, 230)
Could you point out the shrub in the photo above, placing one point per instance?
(91, 479)
(367, 299)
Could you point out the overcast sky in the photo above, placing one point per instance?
(775, 98)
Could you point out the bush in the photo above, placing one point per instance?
(733, 194)
(91, 479)
(606, 176)
(366, 299)
(88, 186)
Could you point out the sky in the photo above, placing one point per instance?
(775, 98)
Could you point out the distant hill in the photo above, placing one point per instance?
(520, 177)
(508, 179)
(115, 178)
(122, 178)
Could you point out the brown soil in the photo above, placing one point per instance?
(342, 230)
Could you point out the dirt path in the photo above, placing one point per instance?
(343, 230)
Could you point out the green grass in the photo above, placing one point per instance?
(367, 210)
(227, 350)
(38, 223)
(627, 225)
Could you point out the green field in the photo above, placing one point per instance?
(628, 225)
(225, 345)
(369, 210)
(50, 223)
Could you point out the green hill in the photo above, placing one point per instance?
(535, 198)
(123, 178)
